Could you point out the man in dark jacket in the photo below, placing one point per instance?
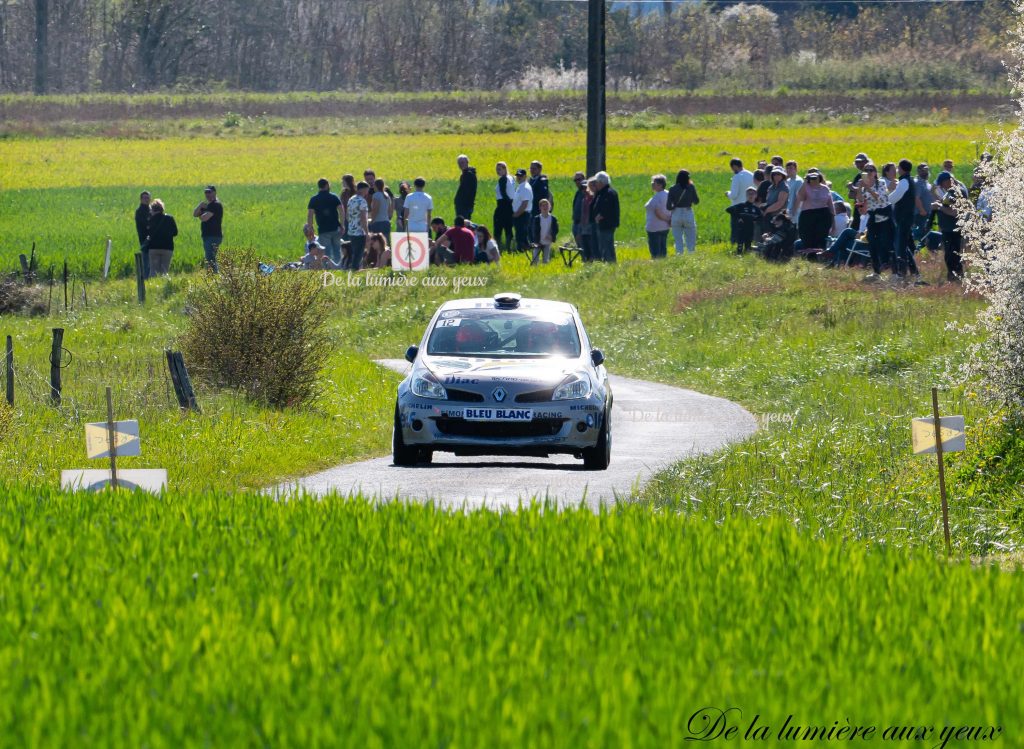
(605, 216)
(580, 230)
(465, 196)
(904, 201)
(541, 191)
(948, 212)
(142, 214)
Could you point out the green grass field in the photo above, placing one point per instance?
(234, 620)
(799, 572)
(69, 195)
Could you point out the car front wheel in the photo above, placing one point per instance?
(402, 454)
(598, 457)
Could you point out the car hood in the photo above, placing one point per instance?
(472, 371)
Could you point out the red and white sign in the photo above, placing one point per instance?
(411, 252)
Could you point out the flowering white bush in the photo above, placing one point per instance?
(996, 250)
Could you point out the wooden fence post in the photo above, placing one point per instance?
(65, 284)
(140, 278)
(9, 359)
(55, 355)
(181, 381)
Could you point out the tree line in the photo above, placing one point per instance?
(77, 46)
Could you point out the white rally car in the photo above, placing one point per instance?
(504, 376)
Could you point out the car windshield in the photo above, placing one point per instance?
(504, 333)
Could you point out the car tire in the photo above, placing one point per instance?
(598, 457)
(426, 456)
(401, 454)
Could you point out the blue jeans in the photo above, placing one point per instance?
(331, 240)
(842, 245)
(684, 229)
(210, 247)
(657, 243)
(605, 246)
(355, 252)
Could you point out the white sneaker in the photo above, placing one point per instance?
(872, 278)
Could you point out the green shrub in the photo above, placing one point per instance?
(263, 334)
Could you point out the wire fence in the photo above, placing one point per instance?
(139, 382)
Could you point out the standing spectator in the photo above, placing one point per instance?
(948, 212)
(794, 183)
(210, 213)
(737, 194)
(418, 207)
(358, 225)
(681, 200)
(889, 176)
(747, 217)
(874, 200)
(762, 181)
(545, 229)
(587, 231)
(763, 165)
(923, 203)
(860, 161)
(817, 212)
(142, 216)
(659, 218)
(325, 207)
(381, 208)
(465, 195)
(541, 190)
(777, 196)
(904, 201)
(605, 216)
(504, 219)
(399, 206)
(580, 180)
(523, 210)
(778, 161)
(487, 248)
(348, 189)
(460, 240)
(162, 231)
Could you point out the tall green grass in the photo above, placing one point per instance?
(214, 620)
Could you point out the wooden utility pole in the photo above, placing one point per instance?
(42, 24)
(9, 371)
(596, 81)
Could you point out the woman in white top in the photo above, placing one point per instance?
(487, 248)
(659, 218)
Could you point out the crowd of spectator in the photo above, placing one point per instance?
(890, 216)
(772, 210)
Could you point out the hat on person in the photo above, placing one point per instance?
(943, 177)
(861, 157)
(752, 189)
(779, 170)
(812, 175)
(520, 172)
(210, 188)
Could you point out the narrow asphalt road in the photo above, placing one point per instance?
(653, 426)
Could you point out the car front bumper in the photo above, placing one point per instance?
(555, 427)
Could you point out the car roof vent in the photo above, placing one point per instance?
(507, 300)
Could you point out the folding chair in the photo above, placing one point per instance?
(860, 249)
(570, 253)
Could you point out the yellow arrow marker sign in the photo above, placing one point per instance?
(126, 439)
(951, 428)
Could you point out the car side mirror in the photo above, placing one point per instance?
(410, 353)
(597, 356)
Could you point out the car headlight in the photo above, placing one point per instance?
(426, 386)
(577, 387)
